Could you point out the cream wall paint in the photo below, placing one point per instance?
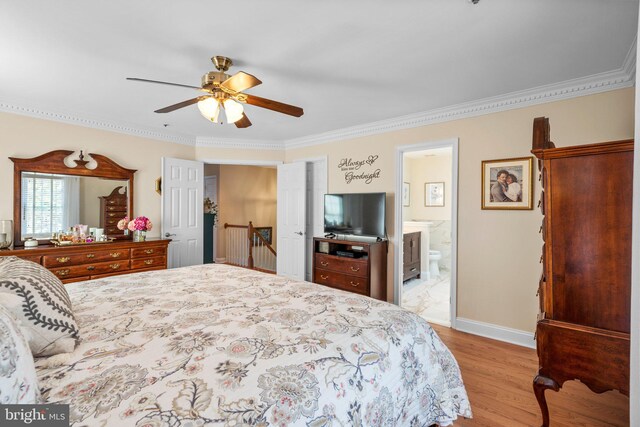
(246, 193)
(209, 154)
(22, 136)
(428, 169)
(498, 251)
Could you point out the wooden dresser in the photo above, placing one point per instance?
(584, 324)
(112, 209)
(365, 273)
(411, 255)
(93, 261)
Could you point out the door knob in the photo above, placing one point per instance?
(299, 233)
(168, 234)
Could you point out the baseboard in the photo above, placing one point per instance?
(221, 260)
(500, 333)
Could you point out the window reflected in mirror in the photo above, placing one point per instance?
(51, 203)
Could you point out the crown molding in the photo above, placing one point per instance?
(618, 79)
(78, 120)
(239, 144)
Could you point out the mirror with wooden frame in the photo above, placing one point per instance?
(57, 190)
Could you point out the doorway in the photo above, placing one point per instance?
(426, 224)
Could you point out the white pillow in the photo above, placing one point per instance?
(18, 379)
(41, 304)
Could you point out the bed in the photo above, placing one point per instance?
(221, 345)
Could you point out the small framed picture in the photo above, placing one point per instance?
(434, 194)
(265, 232)
(406, 194)
(507, 184)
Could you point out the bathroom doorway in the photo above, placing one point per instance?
(427, 203)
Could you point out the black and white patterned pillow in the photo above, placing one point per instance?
(18, 378)
(41, 305)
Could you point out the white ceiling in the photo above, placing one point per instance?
(346, 62)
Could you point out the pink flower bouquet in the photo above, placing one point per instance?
(141, 223)
(123, 223)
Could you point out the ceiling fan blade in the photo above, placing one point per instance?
(274, 105)
(135, 79)
(179, 105)
(244, 122)
(240, 81)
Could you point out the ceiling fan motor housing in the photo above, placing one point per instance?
(213, 79)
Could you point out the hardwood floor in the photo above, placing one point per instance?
(498, 378)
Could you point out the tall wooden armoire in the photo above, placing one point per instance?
(585, 288)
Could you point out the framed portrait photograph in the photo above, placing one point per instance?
(434, 194)
(406, 194)
(507, 184)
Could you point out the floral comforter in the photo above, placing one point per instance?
(224, 346)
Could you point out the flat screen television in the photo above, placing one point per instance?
(359, 214)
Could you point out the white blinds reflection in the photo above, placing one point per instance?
(49, 204)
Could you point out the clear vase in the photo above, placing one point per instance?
(6, 233)
(139, 235)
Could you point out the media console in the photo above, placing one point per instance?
(355, 266)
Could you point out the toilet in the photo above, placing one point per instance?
(434, 258)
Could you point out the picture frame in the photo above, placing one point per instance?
(507, 184)
(265, 232)
(406, 194)
(434, 194)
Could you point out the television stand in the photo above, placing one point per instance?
(354, 266)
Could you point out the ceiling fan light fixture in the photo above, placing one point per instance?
(210, 109)
(233, 109)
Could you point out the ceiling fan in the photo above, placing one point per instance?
(223, 99)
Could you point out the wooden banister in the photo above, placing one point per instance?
(254, 238)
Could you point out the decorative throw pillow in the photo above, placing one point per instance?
(41, 305)
(18, 379)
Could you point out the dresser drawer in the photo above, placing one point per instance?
(149, 262)
(122, 210)
(342, 281)
(85, 257)
(148, 251)
(120, 214)
(90, 269)
(112, 222)
(35, 259)
(350, 266)
(120, 201)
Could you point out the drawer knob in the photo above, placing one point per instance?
(114, 266)
(148, 261)
(323, 277)
(114, 254)
(148, 251)
(62, 273)
(91, 267)
(63, 259)
(324, 264)
(413, 269)
(91, 255)
(354, 284)
(355, 269)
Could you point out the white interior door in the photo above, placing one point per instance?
(292, 194)
(316, 189)
(182, 205)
